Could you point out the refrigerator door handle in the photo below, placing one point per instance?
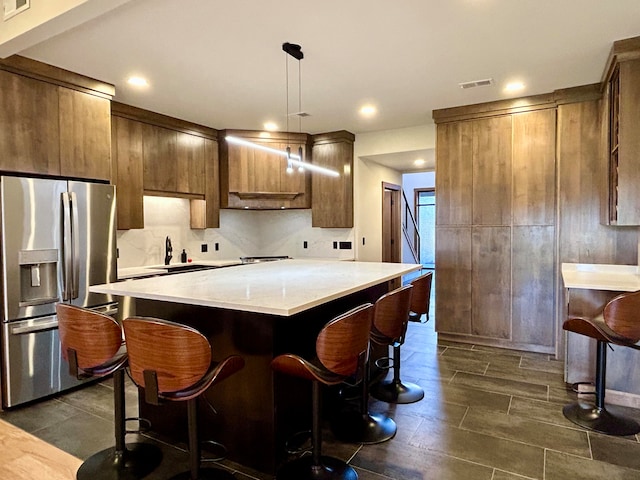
(66, 246)
(75, 232)
(33, 326)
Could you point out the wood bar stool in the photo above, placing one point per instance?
(619, 323)
(341, 347)
(421, 298)
(389, 328)
(173, 362)
(92, 344)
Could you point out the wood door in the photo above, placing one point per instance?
(85, 135)
(29, 137)
(534, 157)
(453, 270)
(454, 173)
(332, 197)
(129, 171)
(391, 223)
(491, 282)
(190, 168)
(492, 171)
(159, 153)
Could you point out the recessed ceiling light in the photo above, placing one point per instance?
(514, 87)
(368, 110)
(418, 161)
(138, 81)
(270, 126)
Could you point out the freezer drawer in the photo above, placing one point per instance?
(34, 368)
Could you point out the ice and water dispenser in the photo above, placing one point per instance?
(38, 277)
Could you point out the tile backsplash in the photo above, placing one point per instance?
(241, 233)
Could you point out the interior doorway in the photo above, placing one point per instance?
(391, 223)
(425, 213)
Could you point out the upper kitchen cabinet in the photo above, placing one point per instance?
(332, 197)
(54, 122)
(158, 155)
(622, 100)
(253, 178)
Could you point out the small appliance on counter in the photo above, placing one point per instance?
(58, 238)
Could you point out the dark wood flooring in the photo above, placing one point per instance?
(488, 413)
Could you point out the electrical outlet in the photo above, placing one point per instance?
(335, 245)
(204, 248)
(305, 244)
(217, 246)
(362, 240)
(345, 245)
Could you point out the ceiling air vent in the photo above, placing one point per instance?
(476, 83)
(13, 7)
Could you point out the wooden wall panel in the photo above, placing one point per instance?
(533, 285)
(534, 158)
(491, 282)
(492, 171)
(453, 264)
(453, 175)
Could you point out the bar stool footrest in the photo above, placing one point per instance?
(216, 446)
(144, 424)
(298, 443)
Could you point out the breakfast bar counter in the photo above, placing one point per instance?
(257, 311)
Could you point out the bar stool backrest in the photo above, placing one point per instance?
(342, 344)
(622, 315)
(95, 337)
(421, 293)
(179, 354)
(391, 313)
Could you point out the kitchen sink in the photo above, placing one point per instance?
(182, 267)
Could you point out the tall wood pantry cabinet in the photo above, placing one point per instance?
(495, 226)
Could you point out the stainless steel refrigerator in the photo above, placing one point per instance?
(58, 238)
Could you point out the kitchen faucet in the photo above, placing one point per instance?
(168, 249)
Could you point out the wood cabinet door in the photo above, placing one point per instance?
(85, 135)
(29, 137)
(332, 197)
(534, 156)
(212, 184)
(128, 166)
(190, 171)
(160, 151)
(491, 282)
(628, 175)
(454, 173)
(453, 267)
(240, 164)
(267, 167)
(492, 171)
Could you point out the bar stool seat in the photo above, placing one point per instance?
(341, 348)
(390, 328)
(421, 298)
(173, 362)
(92, 344)
(619, 323)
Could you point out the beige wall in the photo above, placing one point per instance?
(46, 18)
(368, 178)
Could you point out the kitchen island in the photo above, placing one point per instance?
(257, 311)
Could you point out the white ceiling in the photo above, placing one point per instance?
(220, 63)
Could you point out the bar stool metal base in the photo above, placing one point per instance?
(354, 427)
(304, 468)
(397, 392)
(599, 419)
(206, 474)
(138, 461)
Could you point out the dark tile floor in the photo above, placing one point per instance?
(488, 413)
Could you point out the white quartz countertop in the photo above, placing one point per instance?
(621, 278)
(150, 270)
(281, 288)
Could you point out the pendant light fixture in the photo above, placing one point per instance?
(295, 51)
